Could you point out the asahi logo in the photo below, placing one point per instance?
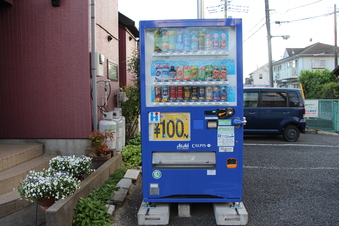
(183, 146)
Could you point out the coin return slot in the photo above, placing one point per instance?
(183, 160)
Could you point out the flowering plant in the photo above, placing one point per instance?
(49, 183)
(99, 142)
(77, 166)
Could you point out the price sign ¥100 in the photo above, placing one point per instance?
(171, 127)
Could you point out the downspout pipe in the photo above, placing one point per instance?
(93, 69)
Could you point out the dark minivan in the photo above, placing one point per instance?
(270, 111)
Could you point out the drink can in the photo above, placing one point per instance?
(165, 94)
(216, 92)
(187, 93)
(223, 93)
(180, 93)
(158, 95)
(209, 93)
(173, 92)
(194, 94)
(201, 92)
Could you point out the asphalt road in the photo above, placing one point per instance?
(283, 184)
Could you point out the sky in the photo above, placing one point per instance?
(305, 21)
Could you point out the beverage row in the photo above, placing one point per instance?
(190, 73)
(189, 40)
(189, 93)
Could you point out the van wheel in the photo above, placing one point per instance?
(291, 133)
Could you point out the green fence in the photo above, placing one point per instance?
(322, 114)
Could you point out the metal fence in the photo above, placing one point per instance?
(326, 115)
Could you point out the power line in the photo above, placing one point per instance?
(303, 6)
(290, 21)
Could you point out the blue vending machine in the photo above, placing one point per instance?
(192, 110)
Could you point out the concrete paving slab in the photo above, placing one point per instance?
(158, 214)
(125, 183)
(132, 174)
(227, 215)
(184, 210)
(120, 195)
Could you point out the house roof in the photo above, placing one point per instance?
(126, 22)
(316, 49)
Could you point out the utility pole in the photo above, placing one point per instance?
(335, 37)
(269, 37)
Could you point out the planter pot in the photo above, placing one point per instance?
(99, 160)
(46, 202)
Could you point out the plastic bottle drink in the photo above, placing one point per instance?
(201, 73)
(223, 73)
(180, 40)
(187, 72)
(208, 72)
(215, 41)
(216, 72)
(165, 41)
(201, 39)
(223, 41)
(157, 40)
(194, 72)
(165, 73)
(158, 71)
(187, 41)
(172, 40)
(172, 73)
(180, 73)
(194, 42)
(208, 42)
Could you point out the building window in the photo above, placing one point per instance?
(260, 76)
(316, 63)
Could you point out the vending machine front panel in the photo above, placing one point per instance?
(191, 110)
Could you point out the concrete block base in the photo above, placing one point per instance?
(158, 214)
(227, 215)
(184, 210)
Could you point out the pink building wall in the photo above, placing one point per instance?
(45, 82)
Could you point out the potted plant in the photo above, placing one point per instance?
(77, 166)
(100, 152)
(47, 186)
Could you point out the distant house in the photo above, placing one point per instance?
(259, 77)
(318, 56)
(286, 71)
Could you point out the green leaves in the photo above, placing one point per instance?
(92, 210)
(315, 84)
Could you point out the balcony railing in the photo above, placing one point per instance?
(286, 73)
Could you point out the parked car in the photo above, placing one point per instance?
(277, 111)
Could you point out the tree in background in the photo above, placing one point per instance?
(131, 107)
(319, 84)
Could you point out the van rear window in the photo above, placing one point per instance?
(274, 99)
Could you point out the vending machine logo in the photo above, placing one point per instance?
(181, 146)
(154, 117)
